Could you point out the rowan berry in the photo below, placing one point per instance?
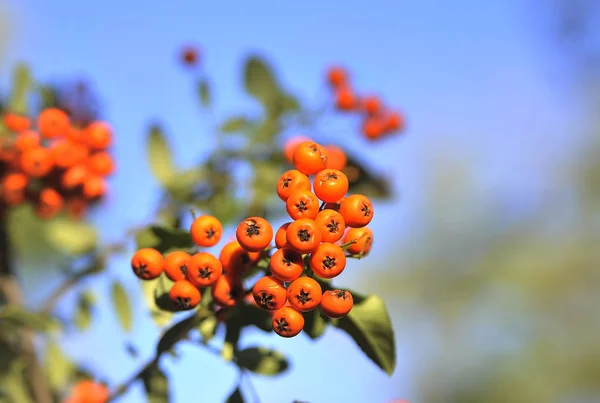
(37, 162)
(394, 122)
(328, 260)
(227, 291)
(331, 225)
(303, 235)
(345, 99)
(66, 153)
(290, 146)
(53, 123)
(27, 139)
(184, 295)
(94, 186)
(287, 322)
(101, 164)
(16, 123)
(13, 188)
(336, 303)
(330, 185)
(87, 391)
(336, 157)
(176, 265)
(236, 260)
(337, 76)
(49, 204)
(304, 294)
(357, 211)
(310, 158)
(291, 181)
(254, 234)
(280, 236)
(302, 204)
(372, 105)
(206, 231)
(373, 127)
(203, 269)
(362, 239)
(98, 135)
(147, 263)
(269, 293)
(286, 264)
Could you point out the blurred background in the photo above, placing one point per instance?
(488, 254)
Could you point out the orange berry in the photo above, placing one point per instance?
(336, 303)
(328, 260)
(303, 235)
(236, 260)
(147, 263)
(357, 211)
(331, 224)
(269, 293)
(16, 123)
(98, 135)
(94, 186)
(372, 105)
(37, 162)
(227, 291)
(290, 146)
(176, 265)
(310, 158)
(87, 391)
(286, 264)
(337, 76)
(27, 139)
(345, 99)
(254, 234)
(287, 322)
(336, 157)
(291, 181)
(280, 236)
(203, 269)
(74, 176)
(184, 295)
(330, 185)
(362, 238)
(49, 204)
(394, 122)
(302, 204)
(66, 153)
(53, 123)
(304, 294)
(13, 188)
(101, 164)
(206, 231)
(373, 127)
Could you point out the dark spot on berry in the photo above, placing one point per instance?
(205, 272)
(301, 206)
(329, 262)
(282, 325)
(303, 297)
(333, 226)
(265, 300)
(210, 233)
(304, 235)
(286, 182)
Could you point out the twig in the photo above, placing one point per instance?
(50, 303)
(11, 292)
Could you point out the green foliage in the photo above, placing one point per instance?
(21, 87)
(156, 385)
(13, 316)
(163, 239)
(370, 326)
(235, 124)
(71, 237)
(84, 310)
(204, 92)
(59, 367)
(235, 396)
(262, 361)
(122, 306)
(160, 156)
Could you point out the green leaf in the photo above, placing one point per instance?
(369, 324)
(83, 312)
(152, 290)
(252, 315)
(259, 80)
(208, 328)
(314, 324)
(12, 315)
(363, 181)
(262, 360)
(13, 383)
(160, 156)
(122, 306)
(177, 332)
(235, 124)
(156, 385)
(21, 85)
(163, 238)
(72, 237)
(59, 367)
(204, 93)
(235, 396)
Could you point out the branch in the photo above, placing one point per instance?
(11, 293)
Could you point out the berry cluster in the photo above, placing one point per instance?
(54, 165)
(311, 245)
(378, 120)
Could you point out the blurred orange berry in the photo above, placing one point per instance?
(53, 123)
(16, 123)
(337, 76)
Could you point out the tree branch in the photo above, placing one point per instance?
(11, 294)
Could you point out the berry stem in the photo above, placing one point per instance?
(193, 212)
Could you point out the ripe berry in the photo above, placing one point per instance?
(362, 238)
(203, 269)
(357, 211)
(304, 294)
(184, 295)
(206, 231)
(331, 185)
(287, 322)
(336, 303)
(147, 263)
(310, 158)
(303, 235)
(53, 123)
(269, 293)
(328, 260)
(254, 234)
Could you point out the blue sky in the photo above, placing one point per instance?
(474, 79)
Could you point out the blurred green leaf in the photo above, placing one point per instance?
(208, 328)
(72, 237)
(182, 185)
(252, 315)
(369, 324)
(12, 315)
(176, 333)
(314, 324)
(235, 124)
(363, 181)
(235, 396)
(267, 131)
(29, 236)
(122, 306)
(204, 92)
(233, 331)
(84, 310)
(21, 86)
(59, 367)
(262, 360)
(48, 96)
(163, 238)
(156, 385)
(152, 290)
(160, 156)
(259, 80)
(13, 385)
